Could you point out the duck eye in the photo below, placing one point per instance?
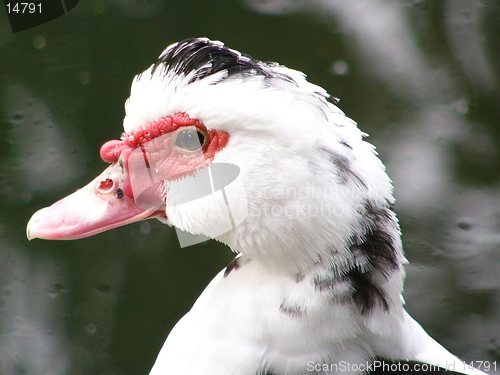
(190, 139)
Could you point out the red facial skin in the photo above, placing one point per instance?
(132, 187)
(161, 159)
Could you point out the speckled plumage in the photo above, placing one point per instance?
(320, 267)
(298, 151)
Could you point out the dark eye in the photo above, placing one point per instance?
(190, 139)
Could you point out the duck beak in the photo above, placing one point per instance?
(103, 204)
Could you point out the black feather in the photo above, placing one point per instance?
(378, 247)
(203, 58)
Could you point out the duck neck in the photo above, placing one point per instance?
(364, 266)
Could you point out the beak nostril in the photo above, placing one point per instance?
(106, 186)
(119, 193)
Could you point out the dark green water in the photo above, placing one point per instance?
(422, 77)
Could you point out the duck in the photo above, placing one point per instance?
(223, 146)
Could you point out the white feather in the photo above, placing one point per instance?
(301, 221)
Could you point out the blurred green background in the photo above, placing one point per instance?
(421, 77)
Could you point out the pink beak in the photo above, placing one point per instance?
(131, 189)
(99, 206)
